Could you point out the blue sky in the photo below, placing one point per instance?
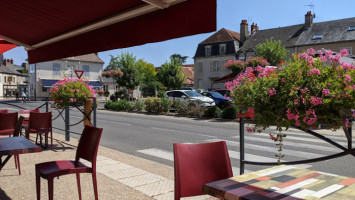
(266, 13)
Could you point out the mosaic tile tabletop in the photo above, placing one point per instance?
(285, 183)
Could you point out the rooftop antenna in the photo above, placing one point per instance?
(311, 6)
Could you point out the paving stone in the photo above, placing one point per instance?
(142, 180)
(131, 172)
(154, 189)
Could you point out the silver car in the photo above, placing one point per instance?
(188, 96)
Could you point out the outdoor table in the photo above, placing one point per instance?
(15, 145)
(283, 182)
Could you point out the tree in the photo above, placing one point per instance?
(272, 51)
(147, 73)
(127, 63)
(171, 74)
(181, 59)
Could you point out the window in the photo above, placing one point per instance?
(14, 79)
(207, 50)
(199, 67)
(317, 37)
(32, 68)
(351, 28)
(9, 79)
(4, 79)
(215, 66)
(347, 48)
(222, 49)
(56, 69)
(105, 88)
(86, 70)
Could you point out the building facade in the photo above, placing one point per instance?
(43, 75)
(12, 79)
(211, 56)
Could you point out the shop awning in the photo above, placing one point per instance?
(51, 30)
(5, 46)
(47, 83)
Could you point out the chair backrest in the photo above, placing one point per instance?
(40, 120)
(198, 164)
(8, 120)
(18, 126)
(89, 144)
(24, 111)
(4, 111)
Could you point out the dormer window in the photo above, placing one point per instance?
(207, 50)
(317, 37)
(351, 28)
(222, 49)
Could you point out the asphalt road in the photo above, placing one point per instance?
(152, 137)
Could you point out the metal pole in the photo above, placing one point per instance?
(46, 104)
(94, 110)
(67, 128)
(241, 145)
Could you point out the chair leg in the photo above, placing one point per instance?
(50, 188)
(18, 163)
(15, 161)
(51, 140)
(27, 135)
(46, 140)
(95, 184)
(38, 185)
(78, 182)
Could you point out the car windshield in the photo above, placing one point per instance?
(216, 95)
(193, 94)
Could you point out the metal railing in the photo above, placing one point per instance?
(345, 150)
(66, 117)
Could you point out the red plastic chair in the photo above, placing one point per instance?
(87, 150)
(8, 123)
(40, 123)
(198, 164)
(18, 128)
(26, 119)
(4, 111)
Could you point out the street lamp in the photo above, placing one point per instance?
(245, 53)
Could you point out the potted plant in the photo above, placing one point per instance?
(113, 73)
(256, 61)
(100, 92)
(235, 65)
(303, 93)
(70, 92)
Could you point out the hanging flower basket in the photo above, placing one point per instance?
(71, 92)
(113, 73)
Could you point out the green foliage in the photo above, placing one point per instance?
(171, 75)
(128, 65)
(121, 105)
(157, 105)
(181, 59)
(139, 105)
(147, 73)
(272, 51)
(106, 93)
(229, 112)
(212, 112)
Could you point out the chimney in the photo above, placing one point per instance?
(12, 61)
(244, 32)
(254, 28)
(308, 19)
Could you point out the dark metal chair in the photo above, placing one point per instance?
(87, 150)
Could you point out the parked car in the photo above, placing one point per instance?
(189, 88)
(188, 96)
(223, 92)
(219, 100)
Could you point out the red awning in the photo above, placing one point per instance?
(55, 29)
(5, 46)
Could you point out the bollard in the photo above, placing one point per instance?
(87, 108)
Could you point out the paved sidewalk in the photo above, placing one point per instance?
(119, 176)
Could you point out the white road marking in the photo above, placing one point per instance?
(184, 132)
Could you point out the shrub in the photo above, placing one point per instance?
(229, 112)
(181, 108)
(212, 112)
(106, 93)
(165, 104)
(157, 105)
(139, 105)
(196, 112)
(108, 105)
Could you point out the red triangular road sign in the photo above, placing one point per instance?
(79, 73)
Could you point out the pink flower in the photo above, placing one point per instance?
(250, 130)
(272, 137)
(304, 90)
(282, 80)
(310, 117)
(311, 51)
(316, 101)
(348, 78)
(347, 66)
(326, 92)
(71, 99)
(300, 72)
(344, 52)
(314, 71)
(271, 92)
(295, 101)
(346, 123)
